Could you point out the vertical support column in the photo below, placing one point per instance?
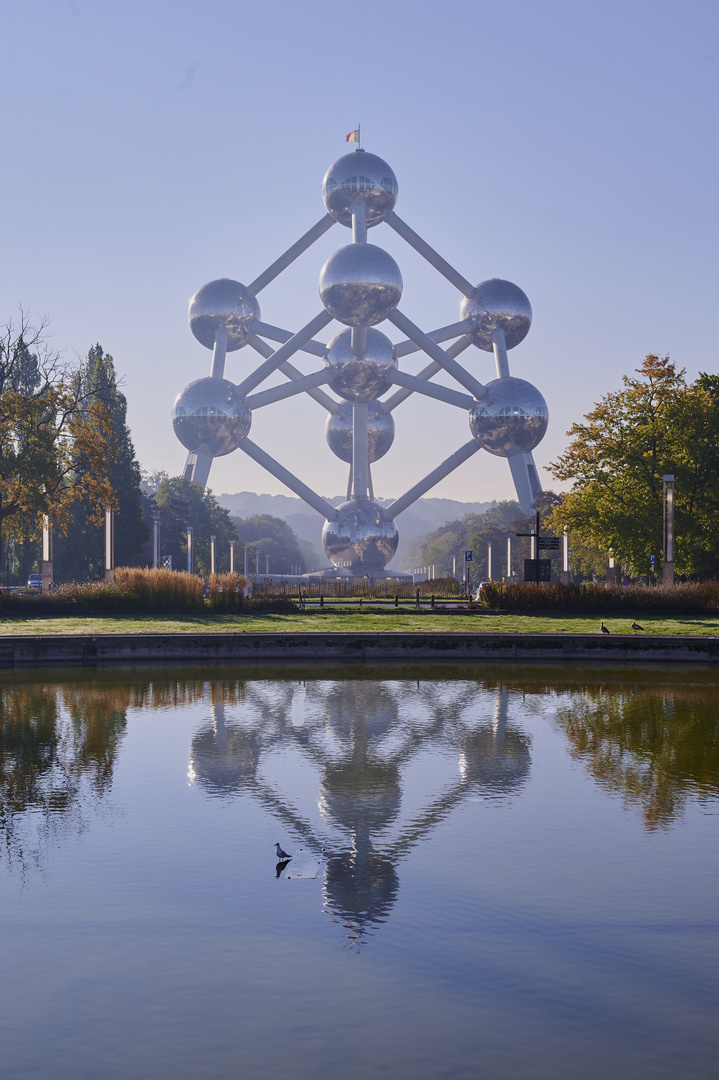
(109, 545)
(359, 450)
(232, 556)
(501, 360)
(46, 568)
(219, 353)
(566, 577)
(189, 549)
(668, 553)
(155, 541)
(212, 554)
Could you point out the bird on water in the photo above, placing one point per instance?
(280, 853)
(636, 626)
(603, 628)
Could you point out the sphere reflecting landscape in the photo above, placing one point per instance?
(360, 284)
(223, 302)
(380, 432)
(361, 538)
(210, 417)
(364, 377)
(364, 176)
(511, 417)
(496, 303)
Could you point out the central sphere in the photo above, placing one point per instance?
(496, 303)
(210, 417)
(359, 176)
(511, 417)
(380, 432)
(360, 284)
(361, 538)
(364, 377)
(223, 303)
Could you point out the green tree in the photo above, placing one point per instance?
(81, 553)
(656, 424)
(55, 447)
(181, 503)
(272, 537)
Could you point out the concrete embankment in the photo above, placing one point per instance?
(220, 648)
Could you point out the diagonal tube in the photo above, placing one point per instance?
(433, 390)
(275, 333)
(290, 255)
(288, 389)
(403, 348)
(292, 372)
(441, 356)
(284, 352)
(426, 373)
(288, 479)
(428, 253)
(453, 462)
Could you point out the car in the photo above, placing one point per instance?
(34, 581)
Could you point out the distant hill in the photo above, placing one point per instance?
(424, 516)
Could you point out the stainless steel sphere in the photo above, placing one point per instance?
(510, 417)
(360, 284)
(210, 417)
(223, 303)
(365, 377)
(380, 432)
(361, 539)
(359, 176)
(496, 303)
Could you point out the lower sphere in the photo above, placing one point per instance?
(496, 303)
(380, 431)
(223, 302)
(210, 417)
(361, 538)
(364, 377)
(509, 418)
(360, 284)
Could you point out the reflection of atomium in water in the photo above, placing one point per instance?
(360, 286)
(361, 738)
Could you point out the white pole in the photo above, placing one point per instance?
(155, 541)
(109, 543)
(489, 562)
(189, 549)
(668, 555)
(509, 558)
(212, 554)
(232, 556)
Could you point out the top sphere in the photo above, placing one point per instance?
(496, 303)
(223, 302)
(359, 176)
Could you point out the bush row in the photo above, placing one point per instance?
(589, 597)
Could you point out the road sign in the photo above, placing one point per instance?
(652, 560)
(549, 543)
(468, 556)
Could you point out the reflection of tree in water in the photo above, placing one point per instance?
(56, 743)
(656, 747)
(361, 735)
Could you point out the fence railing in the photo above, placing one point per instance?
(440, 588)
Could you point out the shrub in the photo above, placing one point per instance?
(591, 597)
(227, 592)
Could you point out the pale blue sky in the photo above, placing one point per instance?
(570, 147)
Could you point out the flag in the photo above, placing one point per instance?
(353, 136)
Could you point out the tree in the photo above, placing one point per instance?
(55, 449)
(655, 425)
(80, 555)
(272, 537)
(181, 503)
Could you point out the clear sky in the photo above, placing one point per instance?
(568, 146)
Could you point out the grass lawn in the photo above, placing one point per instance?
(361, 620)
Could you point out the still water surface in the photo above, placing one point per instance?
(510, 876)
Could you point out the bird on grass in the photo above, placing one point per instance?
(281, 854)
(636, 626)
(603, 628)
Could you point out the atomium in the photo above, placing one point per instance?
(210, 417)
(360, 286)
(380, 432)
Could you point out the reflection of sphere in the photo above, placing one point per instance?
(361, 538)
(365, 377)
(496, 303)
(223, 303)
(364, 176)
(511, 416)
(361, 884)
(210, 417)
(222, 766)
(380, 431)
(364, 796)
(360, 284)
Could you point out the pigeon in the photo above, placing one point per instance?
(280, 853)
(636, 626)
(603, 628)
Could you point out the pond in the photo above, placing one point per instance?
(507, 872)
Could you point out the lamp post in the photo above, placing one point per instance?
(189, 549)
(212, 554)
(668, 552)
(565, 557)
(155, 541)
(109, 545)
(232, 556)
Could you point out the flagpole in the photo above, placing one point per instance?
(359, 140)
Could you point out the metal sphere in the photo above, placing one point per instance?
(223, 303)
(380, 432)
(496, 303)
(210, 417)
(360, 538)
(365, 377)
(359, 176)
(360, 284)
(510, 417)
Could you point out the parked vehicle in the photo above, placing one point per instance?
(34, 581)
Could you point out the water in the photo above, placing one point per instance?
(508, 876)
